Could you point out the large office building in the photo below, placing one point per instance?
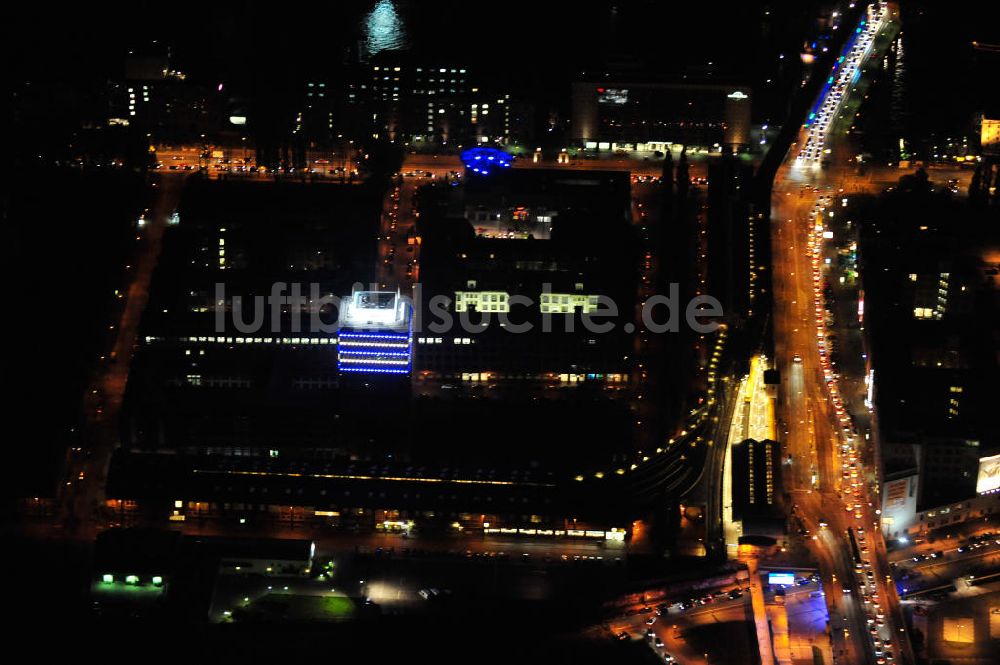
(271, 409)
(238, 348)
(432, 101)
(622, 114)
(546, 250)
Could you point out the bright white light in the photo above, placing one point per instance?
(989, 475)
(373, 308)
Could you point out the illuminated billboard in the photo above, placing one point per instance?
(785, 579)
(989, 475)
(612, 96)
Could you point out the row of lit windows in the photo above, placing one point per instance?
(482, 301)
(218, 381)
(926, 313)
(249, 340)
(566, 303)
(440, 340)
(419, 69)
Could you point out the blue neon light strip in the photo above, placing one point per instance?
(374, 352)
(361, 335)
(380, 362)
(374, 370)
(374, 345)
(357, 335)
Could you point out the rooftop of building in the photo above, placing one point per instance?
(375, 310)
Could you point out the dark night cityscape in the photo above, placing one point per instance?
(395, 331)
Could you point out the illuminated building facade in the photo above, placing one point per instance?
(375, 334)
(649, 116)
(903, 516)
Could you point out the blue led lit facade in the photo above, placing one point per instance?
(486, 160)
(375, 334)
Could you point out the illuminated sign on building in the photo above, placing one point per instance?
(989, 475)
(785, 579)
(738, 94)
(612, 96)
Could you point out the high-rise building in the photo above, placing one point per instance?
(375, 334)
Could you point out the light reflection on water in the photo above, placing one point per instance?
(382, 29)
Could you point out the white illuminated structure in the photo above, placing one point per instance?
(375, 334)
(374, 309)
(988, 480)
